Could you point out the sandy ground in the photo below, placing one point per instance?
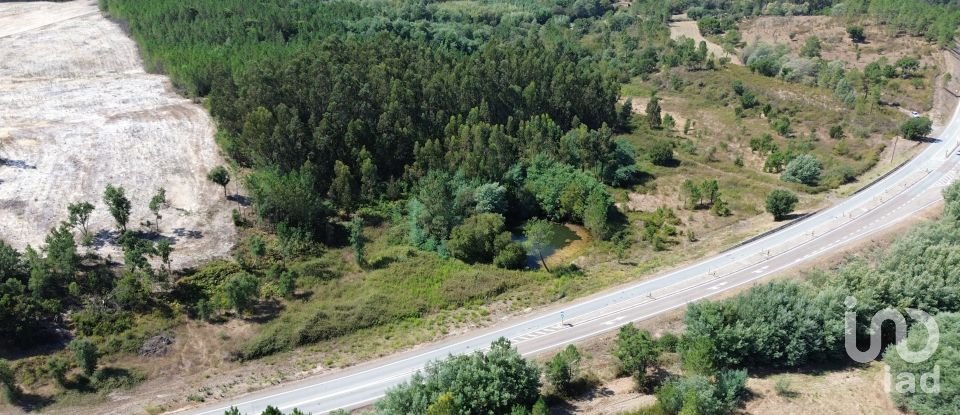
(836, 45)
(681, 26)
(78, 112)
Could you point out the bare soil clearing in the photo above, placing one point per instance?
(78, 112)
(682, 26)
(793, 31)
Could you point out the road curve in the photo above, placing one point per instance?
(910, 189)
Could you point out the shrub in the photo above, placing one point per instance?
(635, 350)
(510, 253)
(474, 240)
(86, 355)
(698, 395)
(804, 169)
(661, 154)
(780, 203)
(856, 34)
(562, 370)
(916, 128)
(945, 361)
(492, 382)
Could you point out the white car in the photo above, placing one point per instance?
(914, 114)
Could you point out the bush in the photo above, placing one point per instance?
(635, 350)
(562, 370)
(780, 203)
(475, 240)
(86, 355)
(698, 395)
(661, 154)
(944, 361)
(916, 128)
(510, 253)
(836, 132)
(492, 382)
(804, 169)
(774, 325)
(856, 34)
(8, 383)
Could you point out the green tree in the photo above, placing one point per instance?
(221, 177)
(119, 206)
(157, 202)
(661, 154)
(700, 396)
(79, 215)
(635, 351)
(945, 363)
(804, 169)
(475, 240)
(444, 405)
(836, 132)
(369, 179)
(509, 253)
(271, 410)
(780, 203)
(653, 112)
(696, 355)
(691, 193)
(916, 128)
(856, 34)
(710, 190)
(58, 368)
(341, 190)
(781, 125)
(8, 383)
(622, 241)
(492, 382)
(239, 292)
(626, 114)
(908, 65)
(539, 234)
(951, 210)
(86, 355)
(62, 260)
(811, 47)
(669, 123)
(130, 292)
(562, 370)
(490, 198)
(540, 408)
(721, 208)
(356, 239)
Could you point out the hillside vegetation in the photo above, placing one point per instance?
(408, 168)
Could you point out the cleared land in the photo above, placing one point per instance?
(78, 112)
(682, 26)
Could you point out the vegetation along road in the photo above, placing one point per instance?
(908, 190)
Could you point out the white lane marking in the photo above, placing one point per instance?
(761, 269)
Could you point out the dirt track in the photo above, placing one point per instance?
(78, 112)
(682, 26)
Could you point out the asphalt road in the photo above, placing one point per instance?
(908, 190)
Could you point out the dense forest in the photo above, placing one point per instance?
(339, 105)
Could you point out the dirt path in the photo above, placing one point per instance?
(78, 112)
(681, 26)
(945, 93)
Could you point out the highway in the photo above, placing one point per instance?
(912, 188)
